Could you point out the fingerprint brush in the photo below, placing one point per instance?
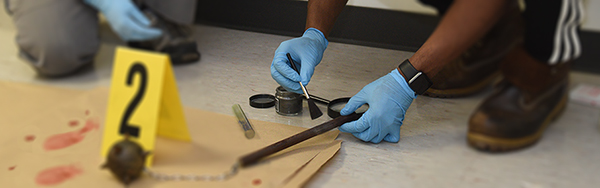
(315, 112)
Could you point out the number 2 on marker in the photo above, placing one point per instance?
(126, 128)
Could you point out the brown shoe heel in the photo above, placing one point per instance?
(494, 144)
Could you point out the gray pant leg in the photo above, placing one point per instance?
(57, 37)
(178, 11)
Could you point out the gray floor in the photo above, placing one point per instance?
(432, 151)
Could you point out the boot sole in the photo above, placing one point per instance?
(184, 53)
(494, 144)
(461, 92)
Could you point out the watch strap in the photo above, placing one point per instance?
(417, 80)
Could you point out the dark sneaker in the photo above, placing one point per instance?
(177, 40)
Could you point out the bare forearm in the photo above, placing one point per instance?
(465, 22)
(323, 13)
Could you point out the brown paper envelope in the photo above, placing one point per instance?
(314, 165)
(217, 142)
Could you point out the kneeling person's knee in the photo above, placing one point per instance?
(55, 58)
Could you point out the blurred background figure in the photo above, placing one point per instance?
(60, 37)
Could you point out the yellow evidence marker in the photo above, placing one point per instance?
(143, 101)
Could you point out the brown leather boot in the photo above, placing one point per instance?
(478, 67)
(525, 102)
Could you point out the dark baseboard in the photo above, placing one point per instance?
(590, 55)
(355, 25)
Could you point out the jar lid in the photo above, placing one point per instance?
(262, 101)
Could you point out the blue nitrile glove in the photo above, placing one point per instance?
(126, 19)
(307, 51)
(388, 97)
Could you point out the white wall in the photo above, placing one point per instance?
(591, 22)
(403, 5)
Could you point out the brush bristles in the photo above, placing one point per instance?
(315, 112)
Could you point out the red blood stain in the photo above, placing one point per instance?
(90, 124)
(256, 182)
(64, 140)
(87, 112)
(12, 168)
(73, 123)
(56, 175)
(29, 138)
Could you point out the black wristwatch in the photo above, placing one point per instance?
(417, 80)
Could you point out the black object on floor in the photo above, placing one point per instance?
(177, 40)
(262, 101)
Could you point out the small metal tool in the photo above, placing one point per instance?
(239, 113)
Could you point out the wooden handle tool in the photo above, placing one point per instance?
(253, 157)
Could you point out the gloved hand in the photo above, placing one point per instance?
(388, 97)
(126, 19)
(307, 51)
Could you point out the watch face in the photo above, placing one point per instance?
(420, 84)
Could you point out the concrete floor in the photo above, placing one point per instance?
(432, 151)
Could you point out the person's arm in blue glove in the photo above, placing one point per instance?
(126, 19)
(307, 50)
(388, 97)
